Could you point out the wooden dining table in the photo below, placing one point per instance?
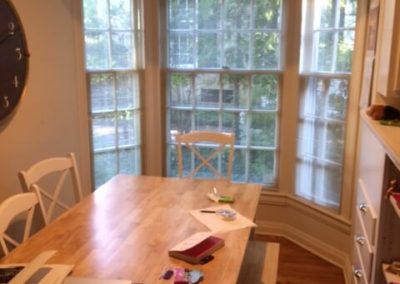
(125, 228)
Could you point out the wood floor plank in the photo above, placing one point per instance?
(299, 266)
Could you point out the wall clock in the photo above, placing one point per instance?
(14, 60)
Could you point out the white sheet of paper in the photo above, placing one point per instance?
(218, 225)
(191, 241)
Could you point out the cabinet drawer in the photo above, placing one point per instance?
(363, 245)
(358, 270)
(366, 212)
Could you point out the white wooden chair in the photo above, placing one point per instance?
(217, 142)
(11, 208)
(50, 198)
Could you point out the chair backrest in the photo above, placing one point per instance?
(205, 152)
(9, 209)
(49, 198)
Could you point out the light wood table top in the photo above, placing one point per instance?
(126, 227)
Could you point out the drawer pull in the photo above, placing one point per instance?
(360, 240)
(363, 207)
(357, 273)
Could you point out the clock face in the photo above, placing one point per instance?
(13, 59)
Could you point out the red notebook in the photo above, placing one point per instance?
(199, 251)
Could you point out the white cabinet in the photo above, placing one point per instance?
(388, 52)
(367, 207)
(376, 224)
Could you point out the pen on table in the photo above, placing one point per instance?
(207, 211)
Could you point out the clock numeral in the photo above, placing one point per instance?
(11, 28)
(6, 102)
(19, 53)
(15, 82)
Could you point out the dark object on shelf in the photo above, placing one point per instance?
(382, 112)
(390, 113)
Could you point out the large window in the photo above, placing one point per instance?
(327, 46)
(112, 41)
(224, 67)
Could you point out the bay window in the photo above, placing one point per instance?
(223, 69)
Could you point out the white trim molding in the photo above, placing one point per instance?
(319, 232)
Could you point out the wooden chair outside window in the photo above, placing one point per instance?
(36, 179)
(11, 208)
(205, 154)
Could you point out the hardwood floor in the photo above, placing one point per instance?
(299, 266)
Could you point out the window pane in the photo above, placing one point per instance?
(263, 129)
(265, 92)
(345, 51)
(319, 183)
(104, 167)
(239, 165)
(127, 90)
(96, 50)
(327, 14)
(235, 122)
(121, 49)
(207, 90)
(237, 14)
(268, 14)
(325, 43)
(181, 47)
(181, 14)
(103, 132)
(101, 92)
(206, 120)
(129, 161)
(266, 50)
(208, 50)
(236, 91)
(173, 161)
(120, 14)
(209, 14)
(180, 89)
(96, 14)
(262, 167)
(236, 50)
(179, 121)
(128, 123)
(333, 13)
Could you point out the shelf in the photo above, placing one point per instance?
(390, 277)
(389, 136)
(395, 205)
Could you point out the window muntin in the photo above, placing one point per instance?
(112, 37)
(328, 32)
